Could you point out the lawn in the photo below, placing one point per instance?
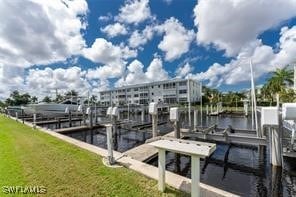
(30, 157)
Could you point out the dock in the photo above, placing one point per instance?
(79, 128)
(144, 151)
(57, 121)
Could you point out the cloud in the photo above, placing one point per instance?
(105, 18)
(168, 1)
(47, 32)
(111, 56)
(11, 78)
(231, 24)
(176, 40)
(184, 70)
(134, 12)
(135, 73)
(46, 81)
(140, 38)
(105, 52)
(114, 30)
(264, 59)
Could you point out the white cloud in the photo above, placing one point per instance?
(115, 29)
(111, 56)
(184, 70)
(38, 32)
(155, 71)
(43, 82)
(11, 78)
(105, 52)
(176, 40)
(134, 11)
(287, 46)
(232, 24)
(105, 18)
(140, 38)
(264, 59)
(136, 75)
(168, 1)
(48, 31)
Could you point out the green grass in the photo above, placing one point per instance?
(30, 157)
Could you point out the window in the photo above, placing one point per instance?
(169, 85)
(152, 87)
(158, 86)
(152, 93)
(136, 95)
(183, 83)
(182, 91)
(135, 89)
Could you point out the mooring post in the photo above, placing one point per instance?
(83, 116)
(153, 111)
(142, 113)
(276, 149)
(115, 114)
(211, 108)
(23, 116)
(16, 115)
(161, 168)
(246, 108)
(277, 100)
(270, 119)
(195, 119)
(195, 176)
(59, 123)
(293, 135)
(128, 111)
(34, 121)
(96, 114)
(90, 118)
(110, 157)
(154, 125)
(174, 117)
(289, 113)
(70, 118)
(207, 110)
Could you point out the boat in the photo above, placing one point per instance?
(51, 109)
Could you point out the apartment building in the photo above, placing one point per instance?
(169, 91)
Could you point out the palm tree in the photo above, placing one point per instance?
(34, 99)
(46, 99)
(280, 79)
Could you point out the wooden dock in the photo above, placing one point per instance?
(57, 121)
(144, 151)
(79, 128)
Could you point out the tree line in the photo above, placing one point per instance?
(16, 98)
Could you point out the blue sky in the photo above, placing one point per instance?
(98, 44)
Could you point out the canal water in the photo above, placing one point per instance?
(124, 138)
(243, 170)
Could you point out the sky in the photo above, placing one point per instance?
(94, 45)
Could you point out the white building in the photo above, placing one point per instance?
(169, 91)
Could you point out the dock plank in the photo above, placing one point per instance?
(144, 151)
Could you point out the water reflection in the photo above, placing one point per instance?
(241, 170)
